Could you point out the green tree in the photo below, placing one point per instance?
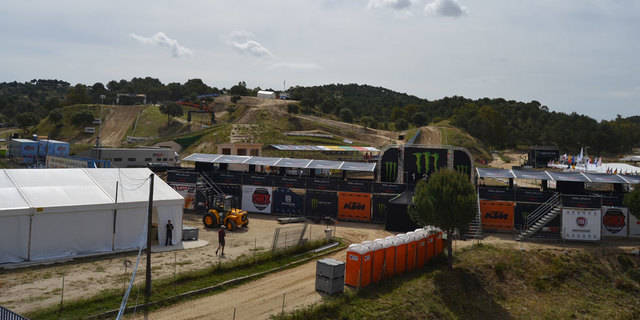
(239, 89)
(446, 201)
(419, 119)
(171, 110)
(346, 115)
(402, 124)
(26, 119)
(293, 108)
(77, 95)
(55, 116)
(82, 118)
(235, 99)
(632, 201)
(368, 121)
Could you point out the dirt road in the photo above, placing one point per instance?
(117, 123)
(261, 298)
(429, 136)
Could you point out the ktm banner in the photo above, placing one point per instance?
(354, 206)
(497, 215)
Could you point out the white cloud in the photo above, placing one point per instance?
(245, 43)
(161, 39)
(393, 4)
(295, 66)
(445, 8)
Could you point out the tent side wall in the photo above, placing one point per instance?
(14, 238)
(173, 213)
(131, 229)
(60, 235)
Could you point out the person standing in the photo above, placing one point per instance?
(169, 240)
(221, 235)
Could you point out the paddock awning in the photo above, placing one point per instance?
(494, 173)
(283, 162)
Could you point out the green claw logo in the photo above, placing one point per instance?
(391, 170)
(382, 208)
(427, 158)
(314, 204)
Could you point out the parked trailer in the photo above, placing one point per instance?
(136, 157)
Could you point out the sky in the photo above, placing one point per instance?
(572, 56)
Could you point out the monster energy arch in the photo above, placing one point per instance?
(409, 163)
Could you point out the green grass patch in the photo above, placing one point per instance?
(489, 282)
(187, 281)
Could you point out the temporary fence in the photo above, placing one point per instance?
(6, 314)
(290, 236)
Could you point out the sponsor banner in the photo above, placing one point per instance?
(289, 182)
(322, 184)
(182, 177)
(615, 221)
(354, 206)
(422, 162)
(634, 226)
(227, 177)
(391, 188)
(380, 207)
(187, 191)
(532, 195)
(581, 224)
(497, 215)
(321, 204)
(524, 209)
(355, 186)
(257, 199)
(288, 201)
(462, 162)
(389, 165)
(612, 201)
(256, 180)
(496, 193)
(580, 201)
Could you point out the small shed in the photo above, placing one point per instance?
(263, 94)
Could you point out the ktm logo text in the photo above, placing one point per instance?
(354, 206)
(496, 215)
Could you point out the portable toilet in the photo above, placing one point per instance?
(401, 253)
(439, 246)
(431, 244)
(358, 266)
(377, 267)
(421, 249)
(389, 256)
(412, 244)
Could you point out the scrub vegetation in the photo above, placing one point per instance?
(489, 282)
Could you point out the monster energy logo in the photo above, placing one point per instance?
(462, 168)
(391, 170)
(314, 204)
(427, 157)
(382, 207)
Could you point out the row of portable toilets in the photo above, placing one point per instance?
(371, 261)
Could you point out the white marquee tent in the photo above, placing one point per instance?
(48, 214)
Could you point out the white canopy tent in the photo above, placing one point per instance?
(73, 212)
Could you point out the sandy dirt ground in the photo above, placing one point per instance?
(117, 123)
(515, 159)
(429, 136)
(261, 298)
(23, 290)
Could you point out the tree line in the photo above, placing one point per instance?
(497, 122)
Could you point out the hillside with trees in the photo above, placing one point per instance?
(497, 122)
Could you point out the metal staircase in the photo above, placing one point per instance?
(474, 231)
(208, 188)
(541, 216)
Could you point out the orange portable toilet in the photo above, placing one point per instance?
(358, 266)
(412, 244)
(401, 253)
(377, 266)
(439, 247)
(421, 249)
(389, 256)
(431, 245)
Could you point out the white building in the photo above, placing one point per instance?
(263, 94)
(50, 214)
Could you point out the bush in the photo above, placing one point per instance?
(346, 115)
(82, 118)
(293, 108)
(402, 124)
(235, 99)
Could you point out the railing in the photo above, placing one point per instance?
(6, 314)
(542, 210)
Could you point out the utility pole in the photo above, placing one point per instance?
(147, 290)
(102, 96)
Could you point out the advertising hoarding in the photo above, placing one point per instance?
(321, 204)
(257, 199)
(497, 215)
(354, 206)
(581, 224)
(288, 201)
(615, 221)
